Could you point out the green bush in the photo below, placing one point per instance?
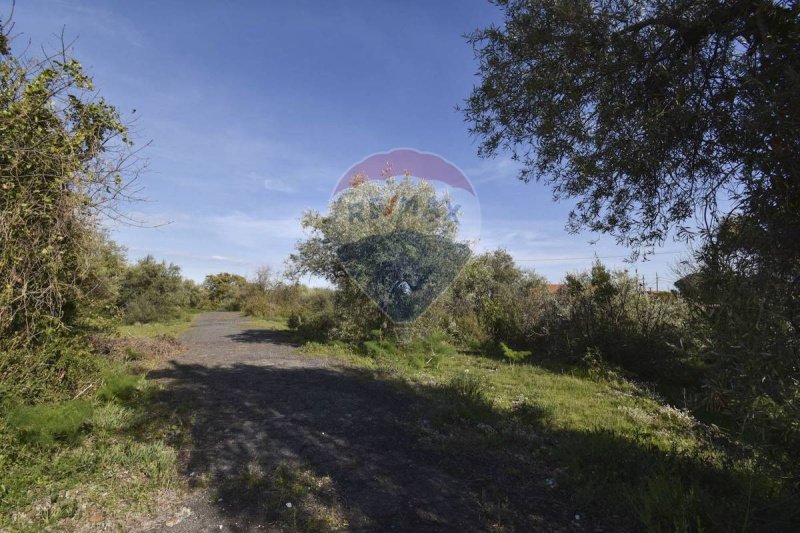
(436, 343)
(513, 356)
(380, 348)
(609, 312)
(120, 387)
(467, 387)
(317, 327)
(294, 321)
(152, 291)
(744, 310)
(224, 291)
(46, 424)
(59, 367)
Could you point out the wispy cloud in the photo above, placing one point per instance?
(249, 231)
(501, 167)
(277, 185)
(160, 253)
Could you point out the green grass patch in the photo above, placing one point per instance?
(121, 387)
(514, 356)
(272, 323)
(292, 495)
(46, 424)
(107, 453)
(619, 451)
(154, 329)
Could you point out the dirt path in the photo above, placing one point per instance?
(271, 425)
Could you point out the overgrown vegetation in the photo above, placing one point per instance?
(580, 378)
(600, 326)
(611, 447)
(80, 435)
(663, 119)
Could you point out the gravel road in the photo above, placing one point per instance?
(269, 423)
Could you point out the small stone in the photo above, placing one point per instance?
(288, 505)
(183, 514)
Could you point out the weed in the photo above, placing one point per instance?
(467, 387)
(121, 387)
(513, 356)
(47, 424)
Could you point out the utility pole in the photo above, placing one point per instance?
(656, 281)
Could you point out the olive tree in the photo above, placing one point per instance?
(392, 242)
(670, 117)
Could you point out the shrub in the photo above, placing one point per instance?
(120, 387)
(63, 164)
(46, 424)
(224, 290)
(745, 298)
(152, 291)
(295, 321)
(317, 327)
(60, 366)
(609, 312)
(513, 356)
(468, 387)
(493, 300)
(380, 348)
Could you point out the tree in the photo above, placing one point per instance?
(368, 209)
(223, 289)
(394, 240)
(662, 117)
(151, 291)
(506, 302)
(63, 156)
(649, 113)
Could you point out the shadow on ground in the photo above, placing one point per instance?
(360, 450)
(264, 336)
(347, 451)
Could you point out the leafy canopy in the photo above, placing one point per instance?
(648, 113)
(63, 154)
(371, 208)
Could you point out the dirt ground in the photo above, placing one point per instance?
(270, 425)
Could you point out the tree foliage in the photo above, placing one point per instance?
(392, 239)
(63, 157)
(648, 113)
(368, 209)
(151, 290)
(662, 117)
(223, 289)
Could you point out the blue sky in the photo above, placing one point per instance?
(255, 109)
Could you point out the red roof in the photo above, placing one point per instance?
(553, 288)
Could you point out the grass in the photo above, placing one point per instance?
(617, 451)
(44, 425)
(65, 461)
(293, 496)
(274, 323)
(154, 329)
(97, 458)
